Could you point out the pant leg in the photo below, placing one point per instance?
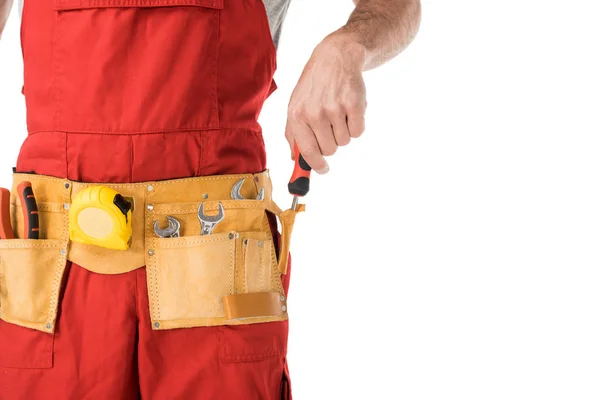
(92, 354)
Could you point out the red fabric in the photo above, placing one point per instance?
(122, 91)
(104, 348)
(134, 91)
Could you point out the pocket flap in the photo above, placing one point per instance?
(86, 4)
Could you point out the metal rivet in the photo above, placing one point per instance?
(260, 243)
(48, 326)
(156, 325)
(150, 207)
(150, 252)
(283, 308)
(205, 196)
(63, 252)
(282, 298)
(66, 206)
(150, 188)
(67, 185)
(231, 236)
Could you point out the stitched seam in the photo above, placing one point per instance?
(140, 184)
(30, 245)
(56, 68)
(232, 248)
(59, 268)
(190, 243)
(183, 130)
(174, 209)
(132, 160)
(215, 72)
(216, 321)
(206, 4)
(260, 259)
(153, 281)
(244, 257)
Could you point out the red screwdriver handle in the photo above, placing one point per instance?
(30, 211)
(6, 231)
(300, 183)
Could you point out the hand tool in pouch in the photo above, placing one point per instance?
(6, 231)
(101, 216)
(172, 231)
(300, 183)
(31, 218)
(208, 222)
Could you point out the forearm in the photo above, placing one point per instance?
(382, 28)
(5, 6)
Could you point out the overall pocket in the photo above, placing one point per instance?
(114, 57)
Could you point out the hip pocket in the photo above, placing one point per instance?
(125, 66)
(31, 274)
(213, 280)
(187, 279)
(224, 278)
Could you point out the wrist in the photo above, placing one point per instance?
(349, 45)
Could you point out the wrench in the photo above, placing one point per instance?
(208, 222)
(236, 195)
(171, 232)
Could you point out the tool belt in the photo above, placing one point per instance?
(229, 277)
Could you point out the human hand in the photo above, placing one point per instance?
(327, 107)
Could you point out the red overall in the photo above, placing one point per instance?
(132, 91)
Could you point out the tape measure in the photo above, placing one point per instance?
(100, 216)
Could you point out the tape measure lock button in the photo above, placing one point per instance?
(123, 205)
(101, 216)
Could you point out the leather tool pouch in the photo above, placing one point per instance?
(31, 271)
(230, 277)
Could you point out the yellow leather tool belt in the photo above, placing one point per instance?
(231, 276)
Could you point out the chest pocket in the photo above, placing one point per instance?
(136, 66)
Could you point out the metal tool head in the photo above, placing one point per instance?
(208, 222)
(171, 232)
(236, 195)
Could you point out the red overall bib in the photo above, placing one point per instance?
(131, 91)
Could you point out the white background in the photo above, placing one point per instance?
(453, 251)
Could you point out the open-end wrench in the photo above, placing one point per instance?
(236, 195)
(171, 232)
(208, 222)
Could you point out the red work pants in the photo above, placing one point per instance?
(104, 349)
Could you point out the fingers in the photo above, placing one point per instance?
(356, 125)
(355, 111)
(319, 133)
(308, 145)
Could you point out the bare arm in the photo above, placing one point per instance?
(383, 27)
(5, 6)
(328, 106)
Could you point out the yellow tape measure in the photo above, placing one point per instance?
(100, 216)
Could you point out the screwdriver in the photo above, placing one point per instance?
(300, 183)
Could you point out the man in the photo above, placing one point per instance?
(140, 97)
